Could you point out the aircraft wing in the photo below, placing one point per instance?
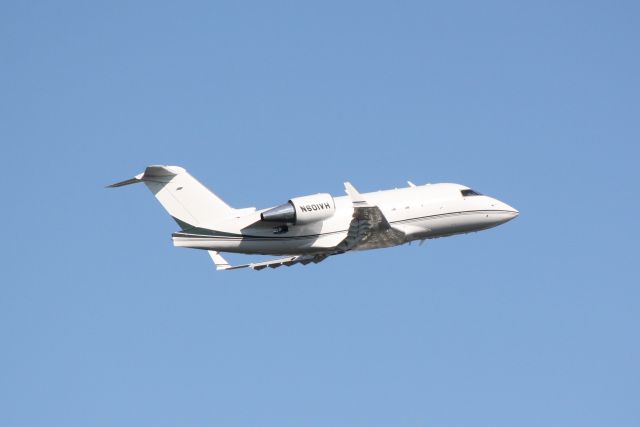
(369, 228)
(222, 264)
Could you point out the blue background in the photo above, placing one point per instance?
(534, 323)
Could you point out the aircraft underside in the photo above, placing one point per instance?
(366, 231)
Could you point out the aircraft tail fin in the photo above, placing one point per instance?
(188, 201)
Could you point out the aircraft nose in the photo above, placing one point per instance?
(512, 210)
(508, 212)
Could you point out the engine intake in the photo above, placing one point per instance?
(302, 210)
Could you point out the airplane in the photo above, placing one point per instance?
(309, 229)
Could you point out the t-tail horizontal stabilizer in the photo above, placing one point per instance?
(151, 173)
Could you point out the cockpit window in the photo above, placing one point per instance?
(469, 192)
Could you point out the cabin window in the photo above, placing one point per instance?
(469, 192)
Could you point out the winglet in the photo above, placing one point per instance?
(219, 261)
(356, 197)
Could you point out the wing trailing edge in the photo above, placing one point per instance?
(222, 264)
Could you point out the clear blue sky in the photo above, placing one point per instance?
(534, 323)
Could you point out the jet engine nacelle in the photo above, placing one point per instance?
(302, 210)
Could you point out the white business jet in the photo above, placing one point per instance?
(311, 228)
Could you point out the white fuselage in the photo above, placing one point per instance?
(419, 212)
